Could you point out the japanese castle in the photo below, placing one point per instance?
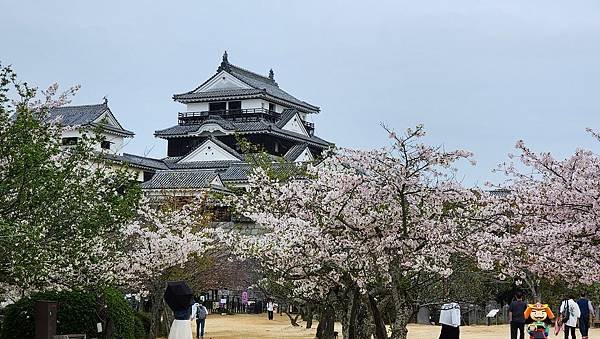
(203, 150)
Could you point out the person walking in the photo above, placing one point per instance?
(569, 312)
(516, 316)
(270, 307)
(199, 313)
(587, 310)
(450, 321)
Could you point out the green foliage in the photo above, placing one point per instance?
(78, 312)
(276, 167)
(142, 324)
(139, 330)
(120, 314)
(19, 320)
(56, 205)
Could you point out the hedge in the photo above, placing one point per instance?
(76, 314)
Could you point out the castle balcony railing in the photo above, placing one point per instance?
(246, 114)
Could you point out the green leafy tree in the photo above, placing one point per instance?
(61, 210)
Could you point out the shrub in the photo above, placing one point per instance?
(76, 314)
(139, 330)
(142, 324)
(120, 314)
(18, 320)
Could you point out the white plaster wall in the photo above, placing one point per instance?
(208, 151)
(306, 155)
(71, 133)
(246, 104)
(279, 108)
(197, 107)
(117, 142)
(295, 125)
(254, 103)
(137, 173)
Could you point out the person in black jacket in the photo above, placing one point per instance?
(516, 316)
(586, 309)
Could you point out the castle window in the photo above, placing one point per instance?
(69, 141)
(217, 106)
(148, 176)
(272, 107)
(235, 105)
(105, 144)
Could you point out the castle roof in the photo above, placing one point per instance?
(243, 127)
(182, 179)
(260, 87)
(138, 161)
(294, 152)
(87, 116)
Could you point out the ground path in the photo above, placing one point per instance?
(257, 326)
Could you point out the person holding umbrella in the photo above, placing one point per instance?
(179, 297)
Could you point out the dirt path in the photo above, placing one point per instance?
(257, 326)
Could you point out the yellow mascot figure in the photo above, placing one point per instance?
(540, 317)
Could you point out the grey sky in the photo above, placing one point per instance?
(478, 74)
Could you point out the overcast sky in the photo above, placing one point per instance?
(478, 74)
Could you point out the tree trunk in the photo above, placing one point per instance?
(156, 309)
(380, 329)
(308, 316)
(534, 287)
(326, 322)
(364, 325)
(349, 320)
(167, 318)
(102, 312)
(402, 310)
(538, 292)
(399, 329)
(356, 322)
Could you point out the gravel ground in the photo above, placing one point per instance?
(257, 326)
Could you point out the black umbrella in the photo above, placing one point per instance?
(178, 296)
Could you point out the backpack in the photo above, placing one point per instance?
(566, 313)
(200, 312)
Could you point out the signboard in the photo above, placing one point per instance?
(492, 313)
(244, 298)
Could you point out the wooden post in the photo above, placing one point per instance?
(45, 319)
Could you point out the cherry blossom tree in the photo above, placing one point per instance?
(360, 220)
(550, 224)
(164, 242)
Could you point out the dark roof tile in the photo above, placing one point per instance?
(261, 86)
(260, 126)
(286, 115)
(85, 115)
(294, 152)
(177, 179)
(137, 161)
